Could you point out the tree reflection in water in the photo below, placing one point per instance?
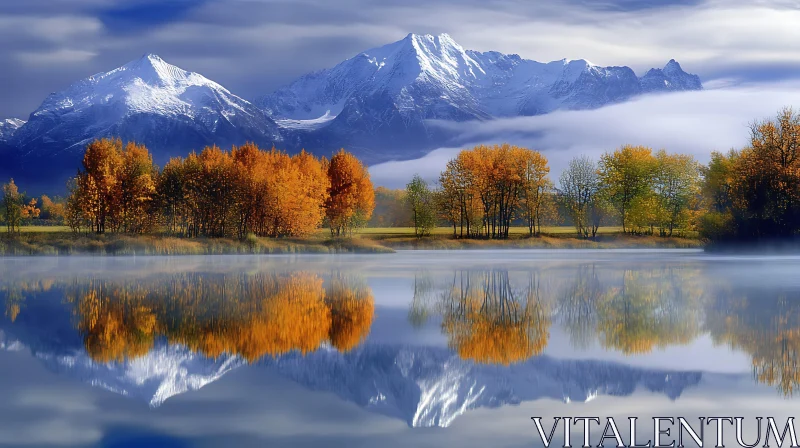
(650, 309)
(491, 317)
(248, 315)
(764, 325)
(488, 321)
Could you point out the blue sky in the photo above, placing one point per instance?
(254, 46)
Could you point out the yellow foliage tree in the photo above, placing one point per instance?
(626, 175)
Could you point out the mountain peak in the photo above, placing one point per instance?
(151, 69)
(673, 66)
(429, 43)
(670, 78)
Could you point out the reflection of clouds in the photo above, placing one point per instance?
(693, 123)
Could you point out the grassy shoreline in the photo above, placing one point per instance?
(59, 242)
(612, 241)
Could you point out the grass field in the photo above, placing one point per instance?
(55, 240)
(43, 229)
(448, 231)
(391, 231)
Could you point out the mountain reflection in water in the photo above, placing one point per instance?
(186, 329)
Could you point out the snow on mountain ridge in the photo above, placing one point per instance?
(433, 77)
(170, 110)
(9, 126)
(146, 85)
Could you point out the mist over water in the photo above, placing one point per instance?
(360, 350)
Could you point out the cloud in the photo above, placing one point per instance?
(62, 56)
(254, 46)
(694, 123)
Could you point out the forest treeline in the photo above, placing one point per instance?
(215, 193)
(750, 194)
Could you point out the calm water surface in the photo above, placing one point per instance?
(411, 349)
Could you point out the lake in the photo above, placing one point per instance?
(417, 348)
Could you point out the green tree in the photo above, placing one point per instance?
(676, 183)
(420, 201)
(12, 206)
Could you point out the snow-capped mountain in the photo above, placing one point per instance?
(170, 110)
(389, 93)
(8, 127)
(383, 104)
(669, 79)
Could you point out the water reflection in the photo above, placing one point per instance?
(249, 315)
(645, 309)
(489, 320)
(766, 326)
(186, 329)
(503, 317)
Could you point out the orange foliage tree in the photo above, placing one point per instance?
(246, 190)
(249, 315)
(217, 193)
(486, 187)
(352, 308)
(351, 195)
(488, 321)
(115, 188)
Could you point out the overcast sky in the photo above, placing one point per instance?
(254, 46)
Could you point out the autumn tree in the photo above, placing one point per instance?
(52, 210)
(30, 210)
(300, 190)
(75, 214)
(420, 200)
(172, 197)
(12, 206)
(457, 199)
(754, 194)
(766, 187)
(390, 209)
(352, 308)
(536, 199)
(351, 195)
(98, 181)
(489, 321)
(135, 189)
(626, 177)
(649, 309)
(490, 185)
(717, 192)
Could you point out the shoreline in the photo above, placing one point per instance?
(67, 244)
